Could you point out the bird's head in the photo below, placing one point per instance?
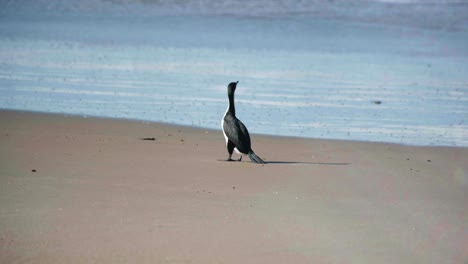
(232, 87)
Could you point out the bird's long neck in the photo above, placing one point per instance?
(231, 108)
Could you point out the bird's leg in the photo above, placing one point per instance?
(240, 158)
(230, 148)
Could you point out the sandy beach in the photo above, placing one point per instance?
(90, 190)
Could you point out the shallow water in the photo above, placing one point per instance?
(299, 75)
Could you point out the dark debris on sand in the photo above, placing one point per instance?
(148, 138)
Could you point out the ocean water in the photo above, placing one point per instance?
(387, 71)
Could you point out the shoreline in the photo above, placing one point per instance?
(144, 121)
(80, 190)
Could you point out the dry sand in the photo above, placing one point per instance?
(88, 190)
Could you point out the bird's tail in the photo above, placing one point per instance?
(254, 158)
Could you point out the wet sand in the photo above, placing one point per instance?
(90, 190)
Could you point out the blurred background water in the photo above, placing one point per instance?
(392, 71)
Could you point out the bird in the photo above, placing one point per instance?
(235, 133)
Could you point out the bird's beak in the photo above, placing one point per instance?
(237, 82)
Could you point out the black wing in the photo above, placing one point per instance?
(237, 133)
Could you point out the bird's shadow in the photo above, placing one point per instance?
(302, 163)
(308, 163)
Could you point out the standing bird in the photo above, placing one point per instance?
(236, 134)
